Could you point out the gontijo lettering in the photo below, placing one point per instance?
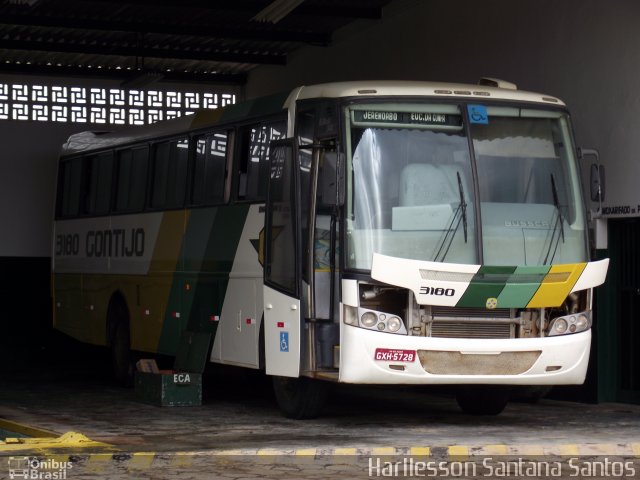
(118, 242)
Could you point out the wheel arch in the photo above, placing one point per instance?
(117, 301)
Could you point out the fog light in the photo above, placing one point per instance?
(369, 319)
(381, 326)
(394, 324)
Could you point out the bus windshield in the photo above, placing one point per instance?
(410, 188)
(529, 187)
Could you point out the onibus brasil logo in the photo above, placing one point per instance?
(38, 468)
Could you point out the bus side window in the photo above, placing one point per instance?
(210, 167)
(131, 183)
(253, 173)
(170, 160)
(70, 180)
(97, 183)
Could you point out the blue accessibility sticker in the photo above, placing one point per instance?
(284, 341)
(478, 114)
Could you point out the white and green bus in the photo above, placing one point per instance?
(361, 232)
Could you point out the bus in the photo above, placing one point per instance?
(385, 233)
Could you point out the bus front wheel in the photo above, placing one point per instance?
(483, 399)
(300, 398)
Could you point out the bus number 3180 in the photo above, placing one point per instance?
(439, 291)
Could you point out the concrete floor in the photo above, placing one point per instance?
(72, 392)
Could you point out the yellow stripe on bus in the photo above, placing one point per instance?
(556, 285)
(156, 287)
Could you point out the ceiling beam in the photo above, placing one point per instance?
(120, 74)
(98, 48)
(138, 27)
(372, 12)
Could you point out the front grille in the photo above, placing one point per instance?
(454, 322)
(458, 363)
(454, 329)
(465, 312)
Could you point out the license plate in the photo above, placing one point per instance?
(394, 355)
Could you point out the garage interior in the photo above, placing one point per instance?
(71, 65)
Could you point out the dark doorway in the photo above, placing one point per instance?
(619, 316)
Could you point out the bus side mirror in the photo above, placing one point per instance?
(596, 178)
(597, 182)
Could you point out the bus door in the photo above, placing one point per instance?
(283, 319)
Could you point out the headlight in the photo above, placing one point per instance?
(369, 319)
(394, 324)
(582, 322)
(560, 326)
(575, 323)
(377, 321)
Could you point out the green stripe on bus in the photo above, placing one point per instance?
(211, 287)
(488, 282)
(210, 243)
(197, 310)
(522, 286)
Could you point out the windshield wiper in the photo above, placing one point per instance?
(463, 206)
(554, 190)
(559, 220)
(460, 215)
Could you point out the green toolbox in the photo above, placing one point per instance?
(181, 386)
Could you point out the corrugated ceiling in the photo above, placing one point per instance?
(174, 40)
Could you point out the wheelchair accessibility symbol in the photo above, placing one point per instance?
(478, 114)
(284, 341)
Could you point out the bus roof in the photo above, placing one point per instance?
(272, 104)
(417, 89)
(92, 140)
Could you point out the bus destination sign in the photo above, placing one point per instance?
(406, 118)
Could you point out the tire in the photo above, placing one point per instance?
(121, 358)
(530, 394)
(300, 398)
(483, 399)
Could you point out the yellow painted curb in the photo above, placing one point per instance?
(306, 452)
(383, 451)
(420, 451)
(141, 460)
(27, 430)
(68, 440)
(458, 451)
(345, 451)
(569, 450)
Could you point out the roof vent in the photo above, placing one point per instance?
(496, 82)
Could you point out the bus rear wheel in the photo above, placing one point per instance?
(300, 398)
(121, 356)
(483, 399)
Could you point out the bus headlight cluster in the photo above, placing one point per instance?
(369, 319)
(567, 324)
(383, 322)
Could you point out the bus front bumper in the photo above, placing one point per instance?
(371, 357)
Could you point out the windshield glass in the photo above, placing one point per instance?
(409, 184)
(529, 188)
